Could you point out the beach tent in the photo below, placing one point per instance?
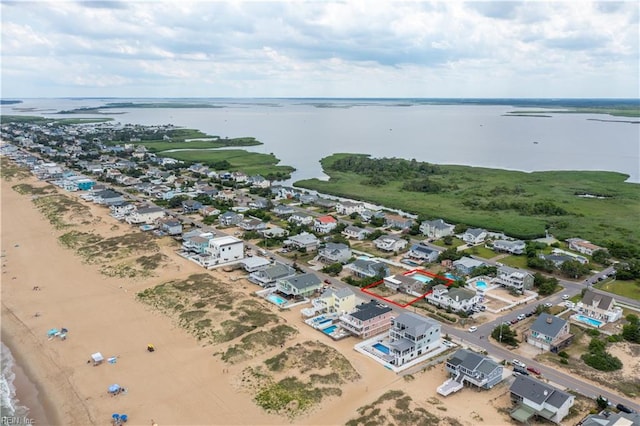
(53, 332)
(97, 358)
(114, 388)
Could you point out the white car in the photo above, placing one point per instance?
(548, 305)
(448, 343)
(518, 363)
(473, 329)
(565, 297)
(521, 317)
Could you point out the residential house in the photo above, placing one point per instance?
(274, 232)
(583, 246)
(258, 181)
(207, 211)
(146, 215)
(598, 306)
(170, 226)
(549, 333)
(303, 285)
(252, 224)
(301, 219)
(196, 242)
(191, 206)
(306, 199)
(121, 209)
(406, 283)
(339, 301)
(268, 276)
(335, 253)
(282, 192)
(239, 177)
(411, 336)
(324, 224)
(354, 232)
(324, 203)
(209, 191)
(390, 243)
(509, 246)
(362, 268)
(474, 236)
(397, 221)
(255, 263)
(107, 197)
(223, 250)
(304, 240)
(283, 210)
(608, 418)
(423, 253)
(436, 228)
(516, 279)
(465, 265)
(456, 299)
(259, 203)
(367, 215)
(367, 319)
(470, 367)
(349, 207)
(230, 218)
(557, 259)
(536, 398)
(559, 256)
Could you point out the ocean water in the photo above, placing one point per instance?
(10, 405)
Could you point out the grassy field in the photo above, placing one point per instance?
(629, 289)
(249, 162)
(598, 220)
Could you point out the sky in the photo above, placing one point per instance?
(322, 48)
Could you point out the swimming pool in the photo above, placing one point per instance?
(275, 299)
(382, 348)
(324, 321)
(481, 285)
(329, 329)
(590, 321)
(451, 276)
(421, 278)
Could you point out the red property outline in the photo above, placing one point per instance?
(449, 281)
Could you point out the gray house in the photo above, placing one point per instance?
(230, 218)
(436, 228)
(411, 336)
(473, 368)
(268, 276)
(422, 253)
(466, 265)
(335, 253)
(368, 268)
(535, 398)
(299, 286)
(549, 333)
(170, 226)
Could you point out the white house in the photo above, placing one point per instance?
(224, 250)
(457, 299)
(303, 285)
(517, 279)
(534, 397)
(301, 219)
(303, 240)
(390, 243)
(145, 215)
(465, 265)
(474, 236)
(349, 207)
(354, 232)
(436, 228)
(549, 333)
(339, 301)
(324, 224)
(423, 253)
(509, 246)
(598, 306)
(411, 336)
(583, 246)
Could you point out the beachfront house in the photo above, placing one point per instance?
(267, 277)
(170, 226)
(355, 232)
(334, 253)
(302, 241)
(223, 250)
(362, 268)
(339, 301)
(517, 279)
(473, 236)
(549, 333)
(367, 319)
(535, 398)
(301, 219)
(349, 207)
(303, 285)
(411, 336)
(608, 418)
(457, 299)
(465, 265)
(324, 224)
(196, 242)
(390, 243)
(254, 263)
(509, 246)
(583, 246)
(470, 367)
(598, 306)
(436, 229)
(424, 254)
(107, 197)
(146, 215)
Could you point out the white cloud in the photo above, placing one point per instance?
(348, 48)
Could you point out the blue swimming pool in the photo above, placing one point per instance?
(481, 285)
(451, 276)
(329, 329)
(274, 298)
(590, 321)
(421, 278)
(324, 321)
(382, 348)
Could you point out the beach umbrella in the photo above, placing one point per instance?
(124, 417)
(115, 416)
(52, 332)
(64, 330)
(114, 388)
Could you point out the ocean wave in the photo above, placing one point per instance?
(9, 403)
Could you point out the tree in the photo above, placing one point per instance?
(631, 331)
(505, 335)
(601, 256)
(448, 240)
(333, 269)
(449, 254)
(599, 358)
(574, 269)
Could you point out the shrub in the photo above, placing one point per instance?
(563, 354)
(564, 361)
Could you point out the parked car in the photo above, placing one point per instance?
(448, 343)
(521, 317)
(327, 281)
(624, 408)
(548, 305)
(518, 363)
(534, 371)
(528, 314)
(520, 371)
(473, 329)
(565, 297)
(515, 320)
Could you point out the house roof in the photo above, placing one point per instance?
(339, 293)
(144, 210)
(335, 247)
(423, 249)
(437, 224)
(476, 232)
(468, 262)
(369, 265)
(304, 281)
(613, 419)
(538, 392)
(508, 243)
(548, 325)
(467, 359)
(599, 300)
(461, 293)
(353, 229)
(304, 238)
(369, 310)
(278, 271)
(416, 325)
(326, 219)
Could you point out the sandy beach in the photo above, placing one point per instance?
(185, 381)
